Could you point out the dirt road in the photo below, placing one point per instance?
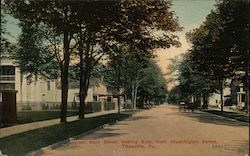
(164, 131)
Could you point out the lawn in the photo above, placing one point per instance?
(233, 115)
(32, 116)
(23, 143)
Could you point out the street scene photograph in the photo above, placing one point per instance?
(124, 78)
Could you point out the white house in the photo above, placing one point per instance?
(215, 98)
(40, 93)
(234, 93)
(238, 94)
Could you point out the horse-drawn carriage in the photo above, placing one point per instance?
(185, 106)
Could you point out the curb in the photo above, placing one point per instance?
(60, 143)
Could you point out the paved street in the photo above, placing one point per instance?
(164, 131)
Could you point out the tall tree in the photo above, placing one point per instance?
(143, 26)
(6, 46)
(210, 57)
(191, 82)
(220, 45)
(153, 84)
(33, 56)
(235, 18)
(115, 72)
(94, 17)
(58, 16)
(97, 27)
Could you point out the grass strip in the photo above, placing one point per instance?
(233, 115)
(22, 143)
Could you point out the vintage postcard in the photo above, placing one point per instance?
(124, 78)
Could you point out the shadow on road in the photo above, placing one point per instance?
(138, 118)
(102, 135)
(109, 129)
(212, 119)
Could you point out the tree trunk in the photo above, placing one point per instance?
(81, 94)
(119, 101)
(64, 85)
(141, 101)
(64, 77)
(200, 100)
(125, 101)
(221, 94)
(247, 101)
(84, 85)
(84, 79)
(132, 97)
(21, 86)
(205, 104)
(135, 97)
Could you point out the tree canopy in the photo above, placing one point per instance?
(93, 29)
(220, 48)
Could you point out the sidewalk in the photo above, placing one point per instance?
(40, 124)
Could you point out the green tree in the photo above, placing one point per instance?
(58, 16)
(220, 47)
(152, 85)
(141, 26)
(97, 27)
(209, 56)
(124, 71)
(6, 46)
(33, 55)
(235, 18)
(4, 42)
(114, 72)
(193, 83)
(93, 19)
(174, 96)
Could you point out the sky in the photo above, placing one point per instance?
(191, 13)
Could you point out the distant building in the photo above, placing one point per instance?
(40, 93)
(238, 94)
(215, 99)
(233, 95)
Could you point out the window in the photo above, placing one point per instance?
(95, 98)
(7, 73)
(237, 89)
(243, 98)
(48, 85)
(7, 86)
(7, 70)
(109, 99)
